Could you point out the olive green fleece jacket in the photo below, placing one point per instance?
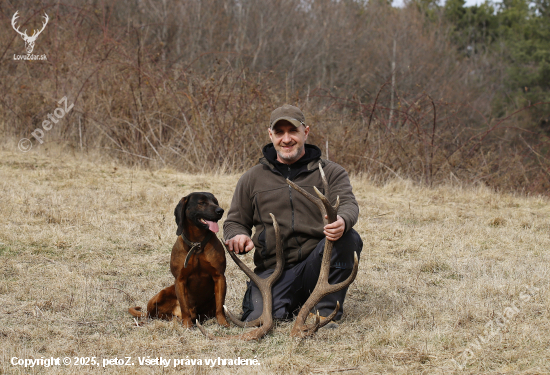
(263, 190)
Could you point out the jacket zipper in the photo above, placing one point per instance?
(292, 211)
(264, 251)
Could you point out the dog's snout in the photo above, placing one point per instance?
(219, 211)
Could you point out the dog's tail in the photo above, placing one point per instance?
(136, 311)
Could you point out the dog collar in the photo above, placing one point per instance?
(195, 245)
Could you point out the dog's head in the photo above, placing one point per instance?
(199, 209)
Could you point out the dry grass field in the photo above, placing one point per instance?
(443, 270)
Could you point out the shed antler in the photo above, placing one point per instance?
(322, 288)
(265, 321)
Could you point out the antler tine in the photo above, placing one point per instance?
(279, 256)
(266, 319)
(329, 209)
(323, 177)
(318, 323)
(329, 318)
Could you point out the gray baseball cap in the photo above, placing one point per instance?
(289, 113)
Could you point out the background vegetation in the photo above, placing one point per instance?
(427, 92)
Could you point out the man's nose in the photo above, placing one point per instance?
(286, 138)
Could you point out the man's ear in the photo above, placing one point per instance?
(179, 213)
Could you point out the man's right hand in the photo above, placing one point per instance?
(240, 244)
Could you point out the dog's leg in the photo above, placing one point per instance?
(220, 288)
(182, 294)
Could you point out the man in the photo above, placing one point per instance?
(263, 190)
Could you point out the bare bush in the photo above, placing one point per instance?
(192, 84)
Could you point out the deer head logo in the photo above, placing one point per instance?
(29, 40)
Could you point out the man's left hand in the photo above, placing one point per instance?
(335, 230)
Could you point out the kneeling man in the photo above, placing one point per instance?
(263, 190)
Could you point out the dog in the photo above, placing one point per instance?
(198, 265)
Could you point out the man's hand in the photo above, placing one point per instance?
(335, 230)
(240, 244)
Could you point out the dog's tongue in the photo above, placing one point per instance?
(213, 226)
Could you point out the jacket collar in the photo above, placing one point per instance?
(312, 166)
(312, 158)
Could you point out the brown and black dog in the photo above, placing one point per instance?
(197, 263)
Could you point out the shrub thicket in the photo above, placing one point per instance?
(191, 85)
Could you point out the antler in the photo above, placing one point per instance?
(322, 288)
(265, 321)
(13, 19)
(34, 33)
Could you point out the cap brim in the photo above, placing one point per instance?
(293, 121)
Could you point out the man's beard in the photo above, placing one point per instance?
(293, 157)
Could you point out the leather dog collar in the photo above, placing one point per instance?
(195, 245)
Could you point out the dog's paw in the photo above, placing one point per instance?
(187, 323)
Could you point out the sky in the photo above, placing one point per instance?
(397, 3)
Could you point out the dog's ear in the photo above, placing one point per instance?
(179, 213)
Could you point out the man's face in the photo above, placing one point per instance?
(289, 141)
